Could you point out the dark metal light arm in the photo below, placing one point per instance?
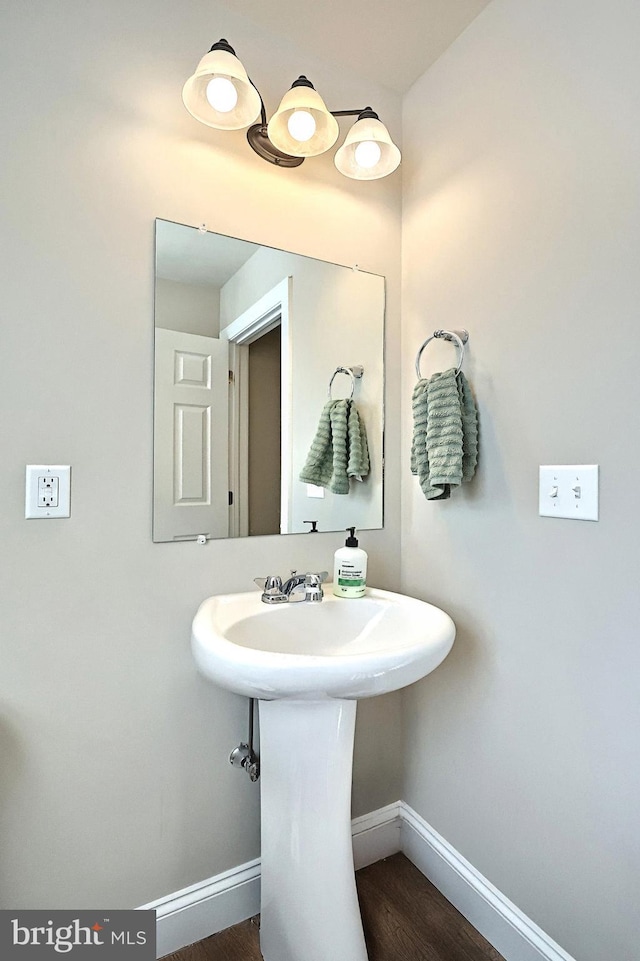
(348, 113)
(263, 112)
(258, 140)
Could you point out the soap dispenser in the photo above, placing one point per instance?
(350, 568)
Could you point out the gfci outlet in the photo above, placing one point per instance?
(48, 491)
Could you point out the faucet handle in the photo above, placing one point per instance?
(272, 592)
(319, 578)
(313, 586)
(272, 582)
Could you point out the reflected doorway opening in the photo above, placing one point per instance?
(260, 454)
(264, 456)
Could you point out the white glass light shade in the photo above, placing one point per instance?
(224, 65)
(372, 133)
(303, 98)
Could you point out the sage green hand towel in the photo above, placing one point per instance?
(339, 450)
(444, 450)
(358, 462)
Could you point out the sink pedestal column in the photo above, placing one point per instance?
(309, 905)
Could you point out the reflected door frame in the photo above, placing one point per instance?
(271, 310)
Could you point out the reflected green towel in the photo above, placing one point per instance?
(444, 450)
(358, 460)
(339, 450)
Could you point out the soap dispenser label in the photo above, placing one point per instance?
(351, 578)
(350, 575)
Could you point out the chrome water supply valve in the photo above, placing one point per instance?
(242, 756)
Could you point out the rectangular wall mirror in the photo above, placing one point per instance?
(247, 341)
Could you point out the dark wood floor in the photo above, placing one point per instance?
(404, 917)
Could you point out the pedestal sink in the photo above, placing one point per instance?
(308, 664)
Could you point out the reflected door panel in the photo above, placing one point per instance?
(191, 463)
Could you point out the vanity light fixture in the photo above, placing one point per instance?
(221, 95)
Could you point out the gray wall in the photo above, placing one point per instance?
(193, 308)
(115, 787)
(522, 222)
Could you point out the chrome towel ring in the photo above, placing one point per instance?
(458, 337)
(352, 372)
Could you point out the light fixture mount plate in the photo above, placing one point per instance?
(259, 141)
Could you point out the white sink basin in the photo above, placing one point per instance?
(308, 664)
(338, 648)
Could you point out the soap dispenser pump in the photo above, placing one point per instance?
(350, 568)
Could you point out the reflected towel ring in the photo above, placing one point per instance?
(352, 372)
(458, 337)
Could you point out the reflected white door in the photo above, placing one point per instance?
(191, 456)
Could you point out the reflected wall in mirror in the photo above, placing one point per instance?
(247, 339)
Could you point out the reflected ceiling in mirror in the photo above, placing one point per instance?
(248, 340)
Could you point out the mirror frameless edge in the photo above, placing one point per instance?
(247, 339)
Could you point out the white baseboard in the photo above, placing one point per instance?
(510, 931)
(226, 899)
(376, 835)
(203, 909)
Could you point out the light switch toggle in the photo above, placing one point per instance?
(553, 492)
(577, 490)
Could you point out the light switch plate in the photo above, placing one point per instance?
(569, 490)
(48, 491)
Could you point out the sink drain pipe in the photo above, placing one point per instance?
(243, 755)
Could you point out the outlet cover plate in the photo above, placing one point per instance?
(32, 508)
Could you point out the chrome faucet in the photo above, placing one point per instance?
(293, 583)
(275, 592)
